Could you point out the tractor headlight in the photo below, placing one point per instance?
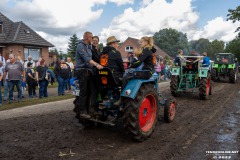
(127, 92)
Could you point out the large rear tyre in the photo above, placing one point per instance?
(205, 88)
(214, 75)
(140, 114)
(86, 123)
(232, 76)
(174, 86)
(170, 110)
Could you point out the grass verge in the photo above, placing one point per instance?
(34, 101)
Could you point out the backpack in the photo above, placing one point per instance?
(154, 59)
(104, 59)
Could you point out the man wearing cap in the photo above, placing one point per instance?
(86, 101)
(29, 60)
(115, 62)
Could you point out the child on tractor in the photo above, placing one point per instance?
(145, 59)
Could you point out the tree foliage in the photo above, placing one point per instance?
(100, 47)
(233, 47)
(204, 45)
(217, 46)
(234, 15)
(72, 45)
(201, 45)
(54, 50)
(170, 40)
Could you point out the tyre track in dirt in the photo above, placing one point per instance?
(198, 118)
(186, 126)
(45, 136)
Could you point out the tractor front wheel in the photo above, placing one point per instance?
(174, 86)
(170, 110)
(140, 114)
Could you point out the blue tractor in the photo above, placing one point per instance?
(139, 111)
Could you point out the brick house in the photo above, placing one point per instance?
(18, 38)
(131, 43)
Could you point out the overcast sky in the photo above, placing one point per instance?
(58, 20)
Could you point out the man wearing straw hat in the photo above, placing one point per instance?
(115, 62)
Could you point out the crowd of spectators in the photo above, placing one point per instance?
(29, 76)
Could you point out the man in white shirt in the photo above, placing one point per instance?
(70, 63)
(29, 60)
(3, 60)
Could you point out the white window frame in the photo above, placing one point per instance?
(34, 52)
(128, 48)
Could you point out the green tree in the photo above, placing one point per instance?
(72, 46)
(233, 47)
(100, 47)
(201, 45)
(217, 47)
(234, 15)
(170, 40)
(53, 50)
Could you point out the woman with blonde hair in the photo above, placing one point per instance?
(146, 54)
(145, 59)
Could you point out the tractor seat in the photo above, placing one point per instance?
(106, 78)
(190, 66)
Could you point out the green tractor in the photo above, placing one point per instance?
(189, 75)
(224, 66)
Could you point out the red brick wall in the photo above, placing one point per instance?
(15, 49)
(45, 55)
(121, 49)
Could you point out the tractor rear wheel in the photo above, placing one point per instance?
(170, 110)
(232, 76)
(140, 114)
(86, 123)
(174, 86)
(205, 87)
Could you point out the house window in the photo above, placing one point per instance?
(35, 53)
(1, 27)
(26, 31)
(128, 49)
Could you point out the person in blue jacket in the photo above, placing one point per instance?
(206, 60)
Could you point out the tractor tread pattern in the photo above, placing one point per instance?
(202, 89)
(131, 113)
(232, 76)
(174, 86)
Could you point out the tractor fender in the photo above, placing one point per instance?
(203, 72)
(176, 71)
(133, 86)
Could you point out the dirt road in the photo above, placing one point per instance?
(200, 128)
